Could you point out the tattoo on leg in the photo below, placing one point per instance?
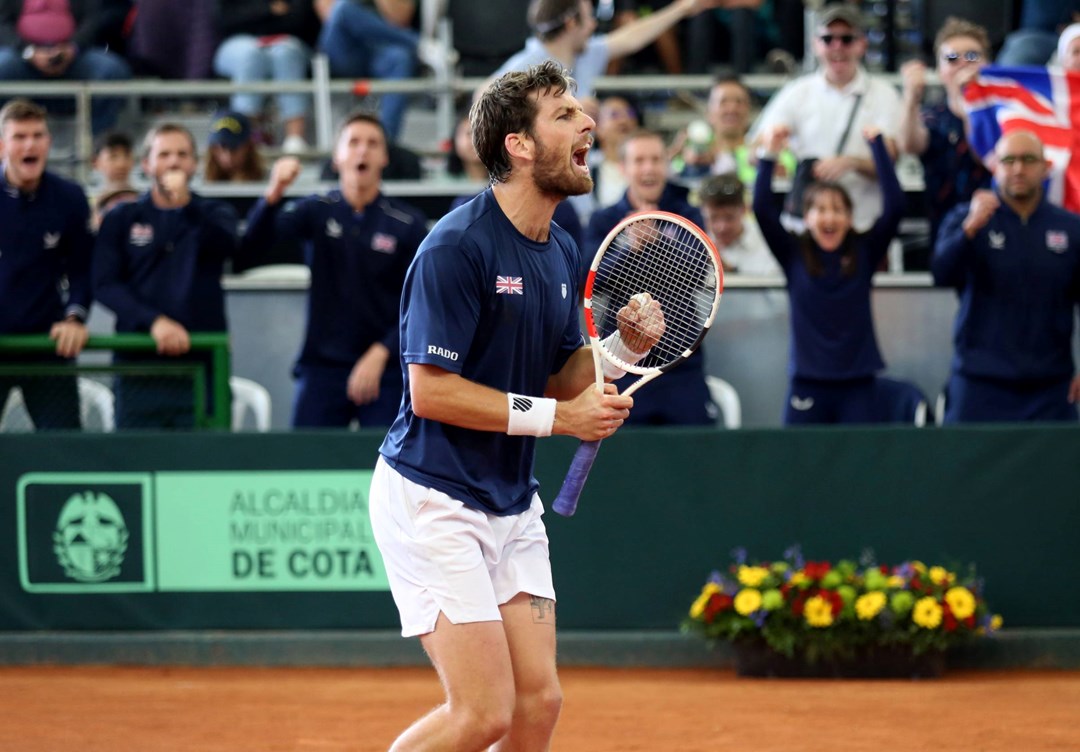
(543, 610)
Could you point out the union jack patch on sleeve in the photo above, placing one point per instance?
(509, 286)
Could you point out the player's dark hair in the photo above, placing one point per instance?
(508, 105)
(363, 116)
(547, 18)
(724, 189)
(114, 140)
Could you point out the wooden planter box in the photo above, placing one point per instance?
(757, 659)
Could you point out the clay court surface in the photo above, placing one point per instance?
(99, 709)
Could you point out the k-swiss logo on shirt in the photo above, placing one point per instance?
(997, 240)
(383, 243)
(1057, 240)
(333, 229)
(509, 286)
(141, 235)
(51, 240)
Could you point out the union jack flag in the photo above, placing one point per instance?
(509, 286)
(1041, 100)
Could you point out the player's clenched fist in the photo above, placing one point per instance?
(641, 323)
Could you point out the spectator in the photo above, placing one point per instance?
(173, 40)
(269, 41)
(1036, 40)
(1014, 259)
(359, 244)
(373, 39)
(114, 159)
(937, 133)
(834, 352)
(232, 154)
(465, 154)
(563, 31)
(823, 112)
(666, 45)
(736, 235)
(1068, 50)
(44, 264)
(53, 40)
(681, 397)
(157, 265)
(615, 120)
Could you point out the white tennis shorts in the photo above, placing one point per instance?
(441, 555)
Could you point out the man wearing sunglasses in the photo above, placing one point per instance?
(937, 132)
(827, 110)
(1014, 259)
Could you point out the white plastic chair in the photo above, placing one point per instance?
(727, 399)
(249, 396)
(94, 399)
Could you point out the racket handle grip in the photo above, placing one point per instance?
(567, 500)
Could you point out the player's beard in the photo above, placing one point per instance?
(555, 175)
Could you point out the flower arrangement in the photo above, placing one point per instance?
(816, 610)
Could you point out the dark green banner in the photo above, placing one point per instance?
(270, 531)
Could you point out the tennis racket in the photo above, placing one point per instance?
(649, 256)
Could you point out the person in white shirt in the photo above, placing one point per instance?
(840, 99)
(733, 231)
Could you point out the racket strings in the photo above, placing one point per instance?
(670, 263)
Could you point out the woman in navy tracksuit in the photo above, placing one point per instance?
(834, 356)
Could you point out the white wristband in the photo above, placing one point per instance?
(613, 344)
(530, 416)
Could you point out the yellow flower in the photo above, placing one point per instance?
(918, 566)
(818, 612)
(895, 581)
(961, 601)
(870, 604)
(747, 601)
(798, 579)
(698, 608)
(927, 613)
(752, 576)
(941, 576)
(995, 622)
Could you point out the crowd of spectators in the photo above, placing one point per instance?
(834, 134)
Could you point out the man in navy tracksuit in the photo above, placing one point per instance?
(680, 396)
(358, 244)
(45, 246)
(157, 264)
(1015, 260)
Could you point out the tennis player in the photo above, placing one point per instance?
(493, 358)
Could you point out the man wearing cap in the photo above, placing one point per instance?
(44, 240)
(50, 40)
(681, 397)
(563, 31)
(358, 244)
(232, 154)
(825, 112)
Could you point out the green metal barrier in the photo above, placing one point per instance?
(217, 343)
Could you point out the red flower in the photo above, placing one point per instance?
(717, 602)
(970, 622)
(815, 570)
(799, 603)
(884, 569)
(834, 599)
(948, 618)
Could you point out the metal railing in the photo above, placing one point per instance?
(217, 343)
